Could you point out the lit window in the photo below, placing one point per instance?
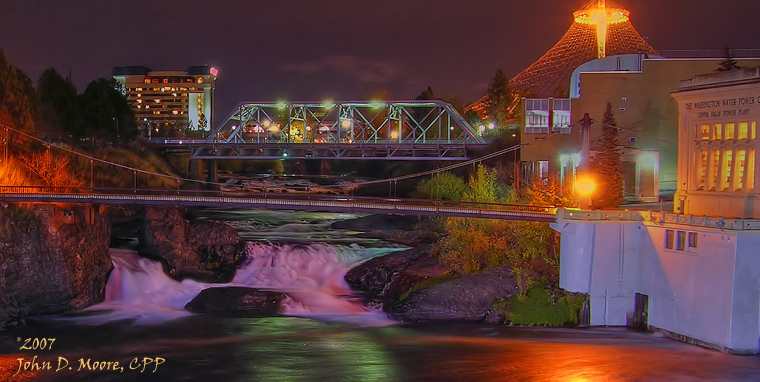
(715, 166)
(139, 106)
(680, 240)
(175, 112)
(157, 100)
(139, 101)
(147, 106)
(742, 130)
(165, 80)
(693, 239)
(728, 161)
(741, 157)
(702, 169)
(751, 171)
(670, 236)
(705, 132)
(147, 80)
(752, 130)
(139, 90)
(139, 95)
(730, 127)
(200, 80)
(717, 131)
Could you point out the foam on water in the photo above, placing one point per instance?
(311, 275)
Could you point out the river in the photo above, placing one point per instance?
(325, 334)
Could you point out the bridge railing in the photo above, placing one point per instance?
(47, 192)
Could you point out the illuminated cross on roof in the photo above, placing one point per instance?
(598, 14)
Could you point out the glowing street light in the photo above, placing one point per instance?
(585, 186)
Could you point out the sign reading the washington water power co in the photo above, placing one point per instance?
(738, 105)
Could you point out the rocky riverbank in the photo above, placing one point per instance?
(52, 259)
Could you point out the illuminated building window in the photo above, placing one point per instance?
(670, 237)
(730, 128)
(680, 240)
(155, 81)
(728, 161)
(741, 157)
(715, 166)
(742, 130)
(200, 80)
(166, 80)
(705, 132)
(693, 239)
(139, 89)
(751, 171)
(752, 129)
(702, 169)
(175, 112)
(147, 80)
(717, 132)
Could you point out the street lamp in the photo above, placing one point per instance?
(585, 187)
(117, 129)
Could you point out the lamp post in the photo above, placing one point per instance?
(118, 137)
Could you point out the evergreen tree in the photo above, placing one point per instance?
(498, 99)
(607, 167)
(59, 113)
(729, 63)
(17, 99)
(106, 112)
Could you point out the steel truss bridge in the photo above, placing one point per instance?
(387, 130)
(302, 202)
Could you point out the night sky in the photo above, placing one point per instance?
(300, 50)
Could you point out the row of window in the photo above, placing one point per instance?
(680, 240)
(164, 89)
(167, 80)
(723, 166)
(727, 132)
(543, 104)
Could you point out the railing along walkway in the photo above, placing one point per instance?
(286, 201)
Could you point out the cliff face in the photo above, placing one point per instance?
(52, 259)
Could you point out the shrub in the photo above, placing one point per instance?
(443, 186)
(541, 307)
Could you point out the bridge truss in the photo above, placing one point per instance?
(388, 130)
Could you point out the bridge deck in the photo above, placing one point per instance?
(305, 203)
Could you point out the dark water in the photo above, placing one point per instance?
(209, 348)
(199, 348)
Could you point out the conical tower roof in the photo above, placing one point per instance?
(600, 28)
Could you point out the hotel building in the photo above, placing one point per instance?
(167, 103)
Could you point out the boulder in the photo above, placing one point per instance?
(52, 259)
(467, 298)
(162, 236)
(384, 279)
(203, 250)
(237, 301)
(219, 246)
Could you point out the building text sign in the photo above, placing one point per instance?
(739, 107)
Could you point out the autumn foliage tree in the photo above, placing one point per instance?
(607, 167)
(472, 245)
(51, 169)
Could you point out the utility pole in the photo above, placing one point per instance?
(586, 122)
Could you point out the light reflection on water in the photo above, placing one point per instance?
(200, 348)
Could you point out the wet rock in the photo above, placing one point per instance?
(202, 250)
(219, 245)
(162, 236)
(467, 298)
(237, 301)
(384, 279)
(52, 260)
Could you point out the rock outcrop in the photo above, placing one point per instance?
(237, 301)
(467, 298)
(52, 259)
(384, 279)
(202, 250)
